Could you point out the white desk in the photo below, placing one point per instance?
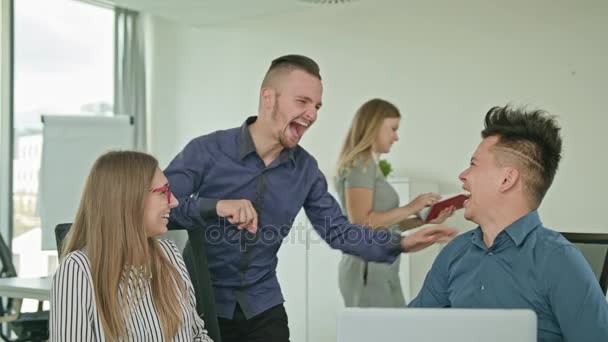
(29, 288)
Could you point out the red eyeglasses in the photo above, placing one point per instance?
(164, 190)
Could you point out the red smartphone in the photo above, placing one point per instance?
(431, 213)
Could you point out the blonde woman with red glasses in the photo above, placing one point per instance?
(117, 281)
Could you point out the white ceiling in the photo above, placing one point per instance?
(213, 12)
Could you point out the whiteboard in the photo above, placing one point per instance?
(70, 146)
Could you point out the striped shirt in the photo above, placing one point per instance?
(74, 316)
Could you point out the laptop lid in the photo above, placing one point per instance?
(436, 325)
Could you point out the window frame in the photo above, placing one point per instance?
(7, 111)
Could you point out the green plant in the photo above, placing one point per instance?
(385, 167)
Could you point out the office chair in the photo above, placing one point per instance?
(195, 257)
(27, 326)
(61, 230)
(595, 249)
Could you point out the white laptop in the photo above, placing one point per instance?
(436, 325)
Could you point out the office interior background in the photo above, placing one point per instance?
(443, 63)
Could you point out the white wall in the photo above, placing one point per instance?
(443, 63)
(161, 68)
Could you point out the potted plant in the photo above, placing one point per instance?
(385, 167)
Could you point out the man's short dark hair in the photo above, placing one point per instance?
(290, 63)
(529, 138)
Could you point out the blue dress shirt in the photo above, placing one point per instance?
(225, 165)
(529, 266)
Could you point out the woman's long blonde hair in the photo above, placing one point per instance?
(364, 131)
(109, 225)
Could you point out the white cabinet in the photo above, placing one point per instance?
(308, 273)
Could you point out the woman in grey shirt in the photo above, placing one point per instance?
(368, 199)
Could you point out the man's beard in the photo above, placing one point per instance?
(282, 136)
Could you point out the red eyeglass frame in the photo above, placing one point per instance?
(164, 188)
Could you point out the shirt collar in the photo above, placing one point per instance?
(246, 145)
(517, 231)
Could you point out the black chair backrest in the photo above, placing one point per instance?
(61, 230)
(595, 249)
(8, 268)
(195, 257)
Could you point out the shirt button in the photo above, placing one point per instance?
(490, 253)
(482, 288)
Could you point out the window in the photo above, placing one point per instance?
(63, 64)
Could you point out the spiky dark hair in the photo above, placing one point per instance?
(534, 137)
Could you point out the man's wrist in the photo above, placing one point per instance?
(208, 207)
(397, 243)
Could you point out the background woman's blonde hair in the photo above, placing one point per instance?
(109, 224)
(364, 131)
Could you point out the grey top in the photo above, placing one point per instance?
(364, 284)
(367, 174)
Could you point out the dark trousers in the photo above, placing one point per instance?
(269, 326)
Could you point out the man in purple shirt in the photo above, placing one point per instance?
(244, 186)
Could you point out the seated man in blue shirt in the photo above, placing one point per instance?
(257, 177)
(511, 260)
